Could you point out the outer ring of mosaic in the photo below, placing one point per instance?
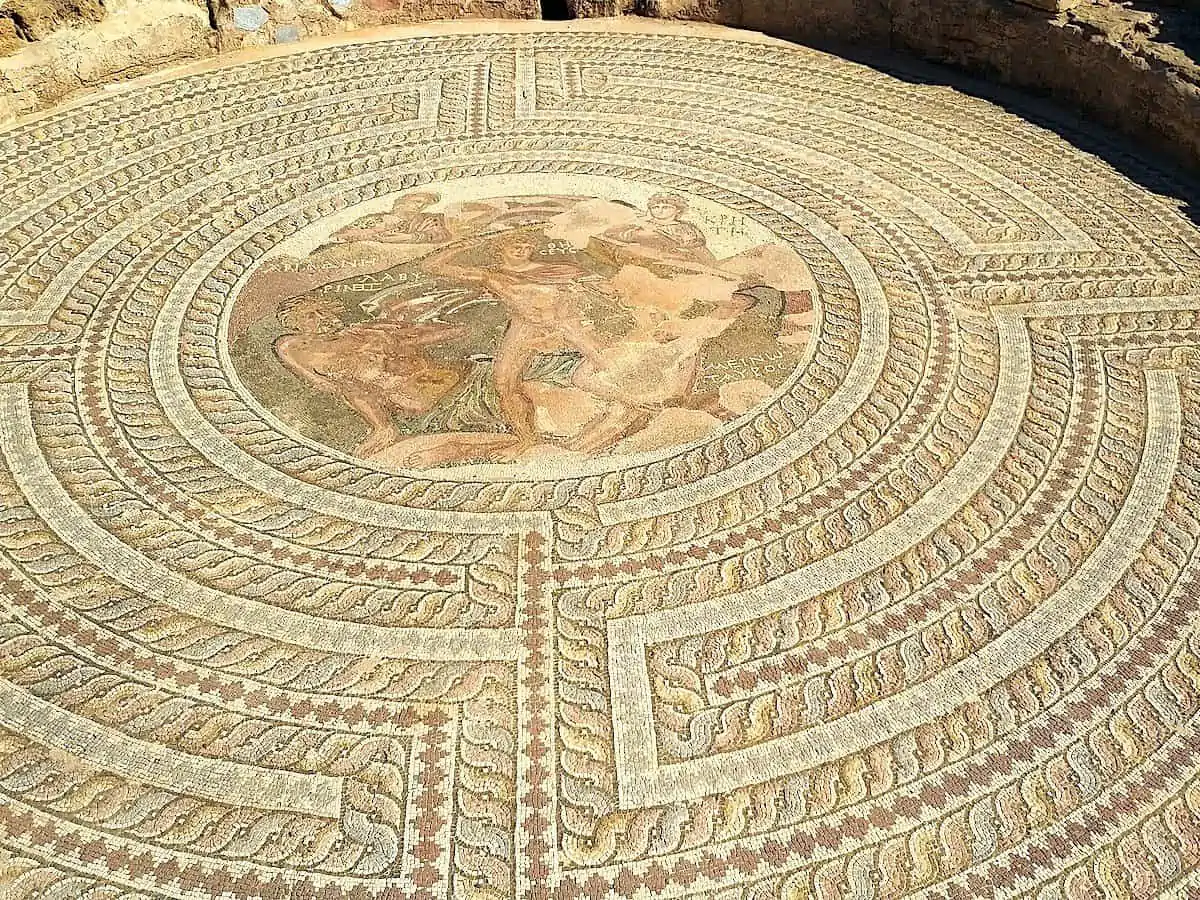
(1006, 706)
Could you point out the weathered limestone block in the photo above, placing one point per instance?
(134, 39)
(1102, 57)
(12, 39)
(1051, 5)
(244, 23)
(37, 19)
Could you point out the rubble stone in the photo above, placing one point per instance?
(1132, 67)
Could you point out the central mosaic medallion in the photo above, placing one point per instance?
(517, 319)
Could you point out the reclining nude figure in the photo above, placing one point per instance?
(379, 369)
(408, 222)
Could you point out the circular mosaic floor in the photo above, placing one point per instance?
(569, 464)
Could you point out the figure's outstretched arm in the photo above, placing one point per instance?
(355, 234)
(621, 234)
(439, 264)
(366, 229)
(433, 334)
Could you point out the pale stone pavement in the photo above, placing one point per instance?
(557, 463)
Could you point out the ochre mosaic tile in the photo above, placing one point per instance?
(548, 464)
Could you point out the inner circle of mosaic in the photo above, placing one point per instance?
(579, 465)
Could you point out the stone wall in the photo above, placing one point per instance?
(51, 49)
(247, 23)
(1131, 65)
(100, 45)
(1108, 59)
